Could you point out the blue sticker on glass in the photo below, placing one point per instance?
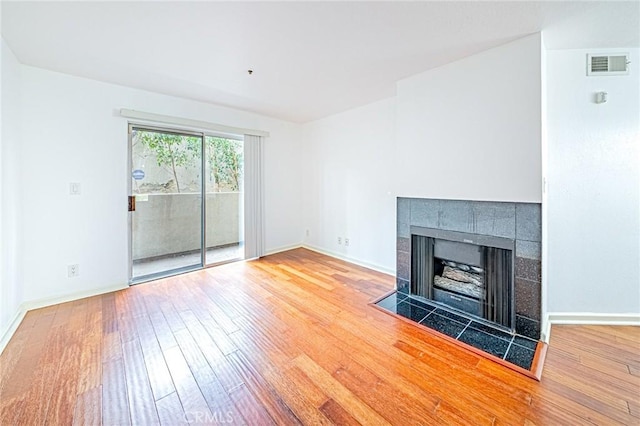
(138, 174)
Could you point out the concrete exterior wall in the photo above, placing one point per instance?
(165, 224)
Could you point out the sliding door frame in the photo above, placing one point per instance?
(182, 269)
(175, 130)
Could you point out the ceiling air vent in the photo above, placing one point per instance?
(616, 64)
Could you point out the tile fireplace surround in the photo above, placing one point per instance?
(518, 221)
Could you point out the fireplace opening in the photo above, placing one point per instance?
(459, 285)
(460, 278)
(466, 272)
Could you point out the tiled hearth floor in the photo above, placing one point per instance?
(515, 349)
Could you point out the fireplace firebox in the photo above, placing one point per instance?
(467, 272)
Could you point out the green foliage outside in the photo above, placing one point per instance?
(225, 161)
(172, 151)
(224, 157)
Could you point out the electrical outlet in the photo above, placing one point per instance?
(74, 188)
(73, 271)
(346, 242)
(307, 232)
(340, 240)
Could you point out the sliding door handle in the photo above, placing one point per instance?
(132, 203)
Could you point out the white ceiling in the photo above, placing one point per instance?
(310, 59)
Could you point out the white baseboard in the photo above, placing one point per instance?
(8, 333)
(282, 248)
(333, 254)
(589, 318)
(41, 303)
(340, 256)
(27, 306)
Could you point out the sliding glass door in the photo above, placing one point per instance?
(224, 184)
(166, 186)
(181, 218)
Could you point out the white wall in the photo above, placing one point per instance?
(342, 172)
(593, 187)
(467, 130)
(471, 129)
(10, 191)
(544, 142)
(5, 311)
(72, 133)
(348, 191)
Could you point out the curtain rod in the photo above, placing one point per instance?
(187, 122)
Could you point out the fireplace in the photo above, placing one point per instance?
(467, 272)
(487, 226)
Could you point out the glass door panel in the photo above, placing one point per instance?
(225, 199)
(166, 182)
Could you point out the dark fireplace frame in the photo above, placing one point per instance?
(519, 221)
(497, 258)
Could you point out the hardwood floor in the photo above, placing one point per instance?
(291, 339)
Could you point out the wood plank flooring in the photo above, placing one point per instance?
(290, 339)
